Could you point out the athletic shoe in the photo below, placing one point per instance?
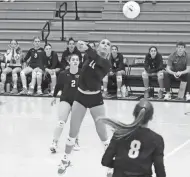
(14, 91)
(167, 97)
(24, 92)
(119, 95)
(39, 92)
(105, 94)
(63, 166)
(53, 147)
(31, 91)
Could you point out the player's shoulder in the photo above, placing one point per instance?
(156, 136)
(64, 72)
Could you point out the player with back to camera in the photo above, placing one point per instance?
(134, 148)
(67, 83)
(94, 69)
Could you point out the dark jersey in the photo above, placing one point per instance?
(67, 83)
(93, 71)
(136, 154)
(117, 63)
(35, 58)
(52, 61)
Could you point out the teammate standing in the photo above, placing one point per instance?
(67, 82)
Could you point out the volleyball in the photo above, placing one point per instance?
(131, 9)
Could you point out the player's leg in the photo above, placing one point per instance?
(33, 82)
(53, 81)
(39, 73)
(77, 115)
(23, 74)
(63, 113)
(188, 88)
(105, 86)
(119, 81)
(160, 76)
(3, 78)
(15, 72)
(97, 112)
(167, 84)
(145, 77)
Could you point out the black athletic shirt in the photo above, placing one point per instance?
(93, 71)
(136, 154)
(67, 83)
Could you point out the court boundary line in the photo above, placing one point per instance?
(177, 149)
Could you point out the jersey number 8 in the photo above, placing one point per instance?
(134, 149)
(73, 83)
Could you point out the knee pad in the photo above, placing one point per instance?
(38, 74)
(119, 78)
(14, 76)
(3, 77)
(34, 74)
(61, 124)
(145, 75)
(160, 75)
(53, 75)
(105, 79)
(22, 73)
(71, 141)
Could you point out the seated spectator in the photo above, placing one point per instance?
(51, 62)
(13, 65)
(92, 45)
(178, 68)
(71, 49)
(117, 71)
(153, 67)
(34, 66)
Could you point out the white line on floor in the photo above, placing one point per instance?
(173, 152)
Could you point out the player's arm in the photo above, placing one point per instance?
(28, 55)
(169, 65)
(84, 47)
(60, 84)
(158, 159)
(109, 155)
(160, 63)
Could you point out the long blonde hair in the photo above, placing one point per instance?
(143, 113)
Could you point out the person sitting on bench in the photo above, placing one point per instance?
(153, 67)
(178, 68)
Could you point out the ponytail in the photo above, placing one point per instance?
(124, 130)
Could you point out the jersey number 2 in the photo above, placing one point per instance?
(92, 64)
(73, 83)
(134, 149)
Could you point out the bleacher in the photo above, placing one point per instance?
(160, 23)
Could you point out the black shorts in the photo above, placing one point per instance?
(67, 100)
(89, 101)
(13, 67)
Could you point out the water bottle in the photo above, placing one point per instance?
(8, 88)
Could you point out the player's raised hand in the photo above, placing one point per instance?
(82, 46)
(53, 101)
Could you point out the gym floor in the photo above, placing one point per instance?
(27, 125)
